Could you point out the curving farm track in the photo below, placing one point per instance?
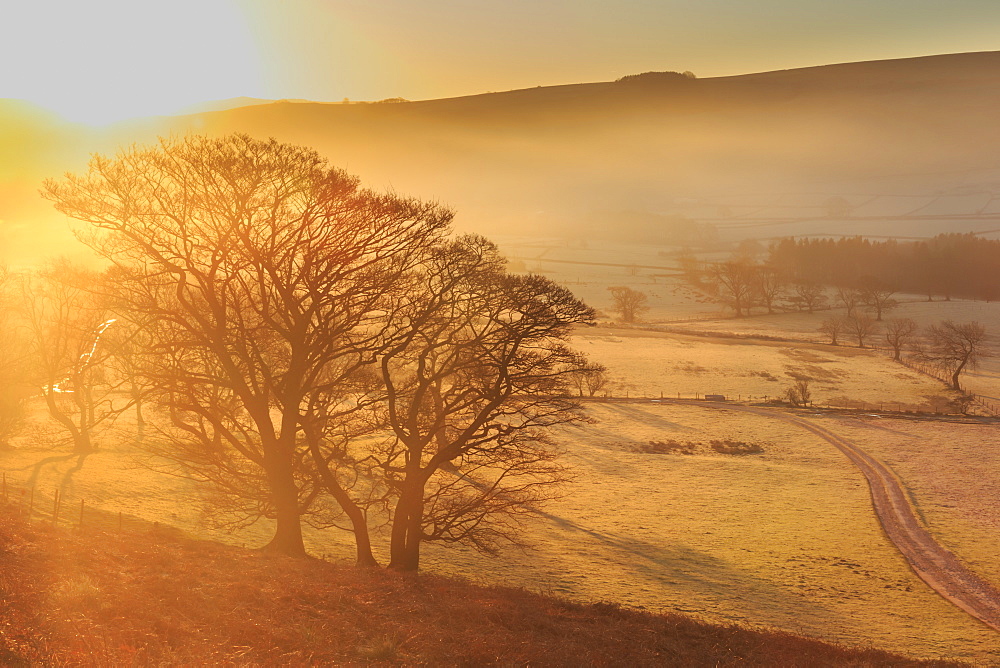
(935, 565)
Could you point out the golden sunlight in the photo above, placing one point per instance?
(107, 60)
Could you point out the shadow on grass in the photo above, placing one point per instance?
(711, 580)
(624, 413)
(36, 468)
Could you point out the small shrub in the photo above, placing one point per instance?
(668, 448)
(799, 394)
(962, 403)
(724, 447)
(736, 447)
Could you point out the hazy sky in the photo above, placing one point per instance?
(102, 60)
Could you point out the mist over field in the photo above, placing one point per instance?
(910, 139)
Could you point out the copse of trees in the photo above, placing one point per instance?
(949, 265)
(654, 78)
(256, 269)
(325, 353)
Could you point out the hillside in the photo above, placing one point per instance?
(152, 599)
(889, 138)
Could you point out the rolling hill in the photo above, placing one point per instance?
(759, 147)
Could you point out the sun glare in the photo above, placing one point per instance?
(108, 60)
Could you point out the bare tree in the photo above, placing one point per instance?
(833, 328)
(799, 394)
(595, 378)
(808, 296)
(629, 303)
(66, 321)
(587, 377)
(768, 287)
(258, 272)
(956, 347)
(849, 299)
(899, 332)
(734, 284)
(127, 346)
(861, 326)
(877, 296)
(474, 383)
(690, 268)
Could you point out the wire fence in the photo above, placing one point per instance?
(900, 407)
(939, 408)
(53, 507)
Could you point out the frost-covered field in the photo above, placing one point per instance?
(649, 364)
(785, 538)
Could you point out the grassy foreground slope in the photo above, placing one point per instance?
(143, 599)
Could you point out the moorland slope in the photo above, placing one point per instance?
(543, 159)
(146, 599)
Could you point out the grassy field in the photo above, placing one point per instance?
(674, 305)
(782, 539)
(951, 473)
(647, 363)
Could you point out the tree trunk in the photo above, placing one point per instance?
(365, 558)
(288, 529)
(81, 443)
(397, 538)
(407, 521)
(359, 525)
(954, 377)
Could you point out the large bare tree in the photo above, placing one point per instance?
(259, 272)
(848, 298)
(833, 328)
(479, 374)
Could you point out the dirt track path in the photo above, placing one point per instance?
(935, 565)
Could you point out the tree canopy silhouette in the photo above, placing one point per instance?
(260, 272)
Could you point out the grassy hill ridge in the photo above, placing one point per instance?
(539, 159)
(156, 599)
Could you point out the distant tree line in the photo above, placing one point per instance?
(949, 265)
